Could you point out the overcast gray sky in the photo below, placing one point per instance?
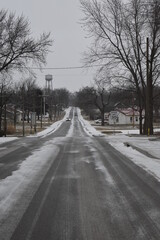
(61, 18)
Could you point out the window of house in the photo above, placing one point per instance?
(136, 119)
(130, 119)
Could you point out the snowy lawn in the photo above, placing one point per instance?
(151, 165)
(7, 139)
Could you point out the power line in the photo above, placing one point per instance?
(65, 68)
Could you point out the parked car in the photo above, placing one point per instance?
(98, 121)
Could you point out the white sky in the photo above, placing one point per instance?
(61, 18)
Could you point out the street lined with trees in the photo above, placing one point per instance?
(18, 49)
(77, 179)
(125, 44)
(126, 41)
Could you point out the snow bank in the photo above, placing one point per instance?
(7, 139)
(43, 133)
(54, 126)
(87, 126)
(151, 165)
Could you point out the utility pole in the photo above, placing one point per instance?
(149, 95)
(133, 110)
(15, 117)
(44, 104)
(23, 131)
(41, 110)
(147, 114)
(5, 120)
(49, 88)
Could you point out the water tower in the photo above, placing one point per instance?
(47, 90)
(49, 79)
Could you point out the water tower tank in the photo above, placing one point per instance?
(48, 79)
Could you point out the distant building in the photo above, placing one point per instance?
(12, 113)
(125, 116)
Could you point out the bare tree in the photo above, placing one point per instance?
(5, 92)
(91, 98)
(84, 99)
(26, 94)
(120, 32)
(59, 99)
(102, 97)
(17, 47)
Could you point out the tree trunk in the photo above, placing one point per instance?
(150, 115)
(149, 95)
(140, 121)
(102, 117)
(0, 119)
(15, 117)
(28, 120)
(148, 124)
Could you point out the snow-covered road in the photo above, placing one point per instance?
(88, 160)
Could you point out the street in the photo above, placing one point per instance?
(86, 190)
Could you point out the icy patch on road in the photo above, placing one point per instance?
(103, 169)
(14, 186)
(100, 166)
(74, 151)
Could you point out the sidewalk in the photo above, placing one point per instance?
(149, 146)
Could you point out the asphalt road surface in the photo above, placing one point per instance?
(89, 192)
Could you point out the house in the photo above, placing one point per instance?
(125, 116)
(11, 112)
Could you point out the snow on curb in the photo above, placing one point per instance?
(91, 131)
(151, 165)
(7, 139)
(17, 190)
(26, 172)
(53, 127)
